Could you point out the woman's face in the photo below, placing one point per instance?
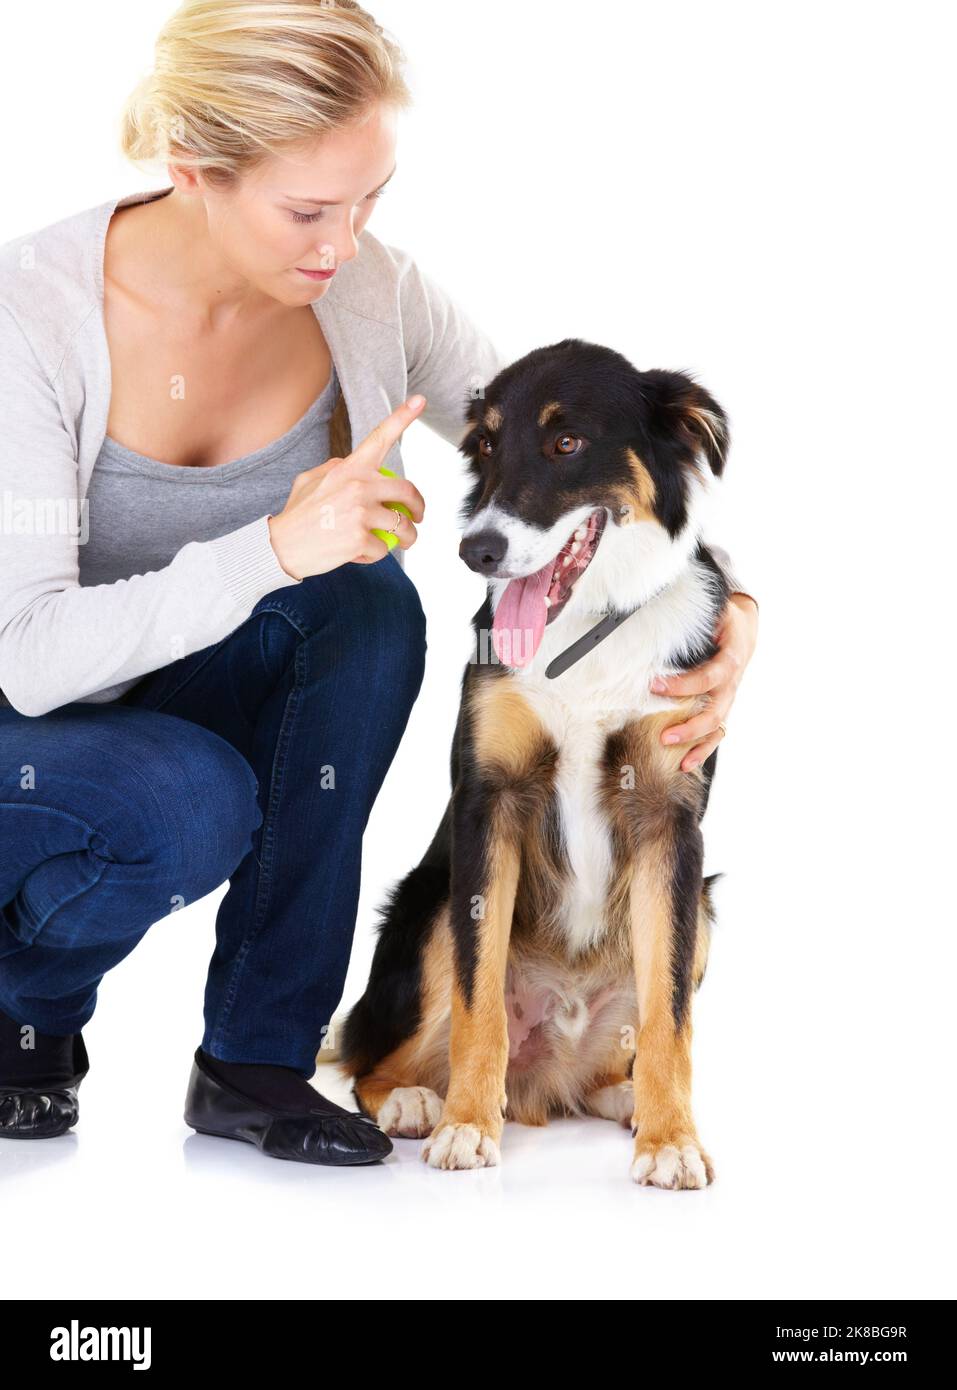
(270, 226)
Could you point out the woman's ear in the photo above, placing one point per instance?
(686, 417)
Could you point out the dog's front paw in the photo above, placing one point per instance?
(673, 1166)
(460, 1146)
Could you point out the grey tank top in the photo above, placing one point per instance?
(141, 511)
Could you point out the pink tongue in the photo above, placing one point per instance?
(520, 617)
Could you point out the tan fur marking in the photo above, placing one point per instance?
(642, 809)
(546, 413)
(518, 759)
(662, 1061)
(374, 1090)
(708, 423)
(493, 418)
(639, 496)
(507, 732)
(662, 1070)
(612, 1078)
(478, 1042)
(656, 783)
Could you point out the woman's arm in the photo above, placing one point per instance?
(60, 641)
(450, 360)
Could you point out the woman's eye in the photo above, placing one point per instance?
(315, 216)
(568, 444)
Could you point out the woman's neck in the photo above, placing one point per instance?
(162, 252)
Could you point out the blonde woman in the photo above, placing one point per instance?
(191, 659)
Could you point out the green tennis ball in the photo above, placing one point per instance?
(390, 538)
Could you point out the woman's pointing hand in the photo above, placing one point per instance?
(331, 509)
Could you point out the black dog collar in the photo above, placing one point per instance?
(602, 629)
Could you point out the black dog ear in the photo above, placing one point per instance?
(685, 415)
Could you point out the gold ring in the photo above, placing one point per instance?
(723, 727)
(398, 521)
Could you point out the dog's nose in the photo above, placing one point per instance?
(484, 551)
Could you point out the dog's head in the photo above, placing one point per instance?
(590, 485)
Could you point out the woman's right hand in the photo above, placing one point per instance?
(331, 508)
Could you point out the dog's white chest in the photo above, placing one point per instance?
(584, 832)
(580, 733)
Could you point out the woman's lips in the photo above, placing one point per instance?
(316, 274)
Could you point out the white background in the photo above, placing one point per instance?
(761, 194)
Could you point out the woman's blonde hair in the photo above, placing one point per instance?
(235, 81)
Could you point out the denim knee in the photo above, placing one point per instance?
(189, 804)
(365, 619)
(136, 813)
(400, 632)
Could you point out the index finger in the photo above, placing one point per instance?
(379, 441)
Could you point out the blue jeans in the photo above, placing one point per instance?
(257, 759)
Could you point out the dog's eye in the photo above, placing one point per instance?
(485, 445)
(568, 445)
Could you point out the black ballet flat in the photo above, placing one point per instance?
(339, 1139)
(44, 1108)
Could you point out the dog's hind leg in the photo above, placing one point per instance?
(610, 1092)
(404, 1111)
(615, 1100)
(402, 1089)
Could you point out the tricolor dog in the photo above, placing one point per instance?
(542, 957)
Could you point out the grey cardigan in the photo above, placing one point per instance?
(391, 330)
